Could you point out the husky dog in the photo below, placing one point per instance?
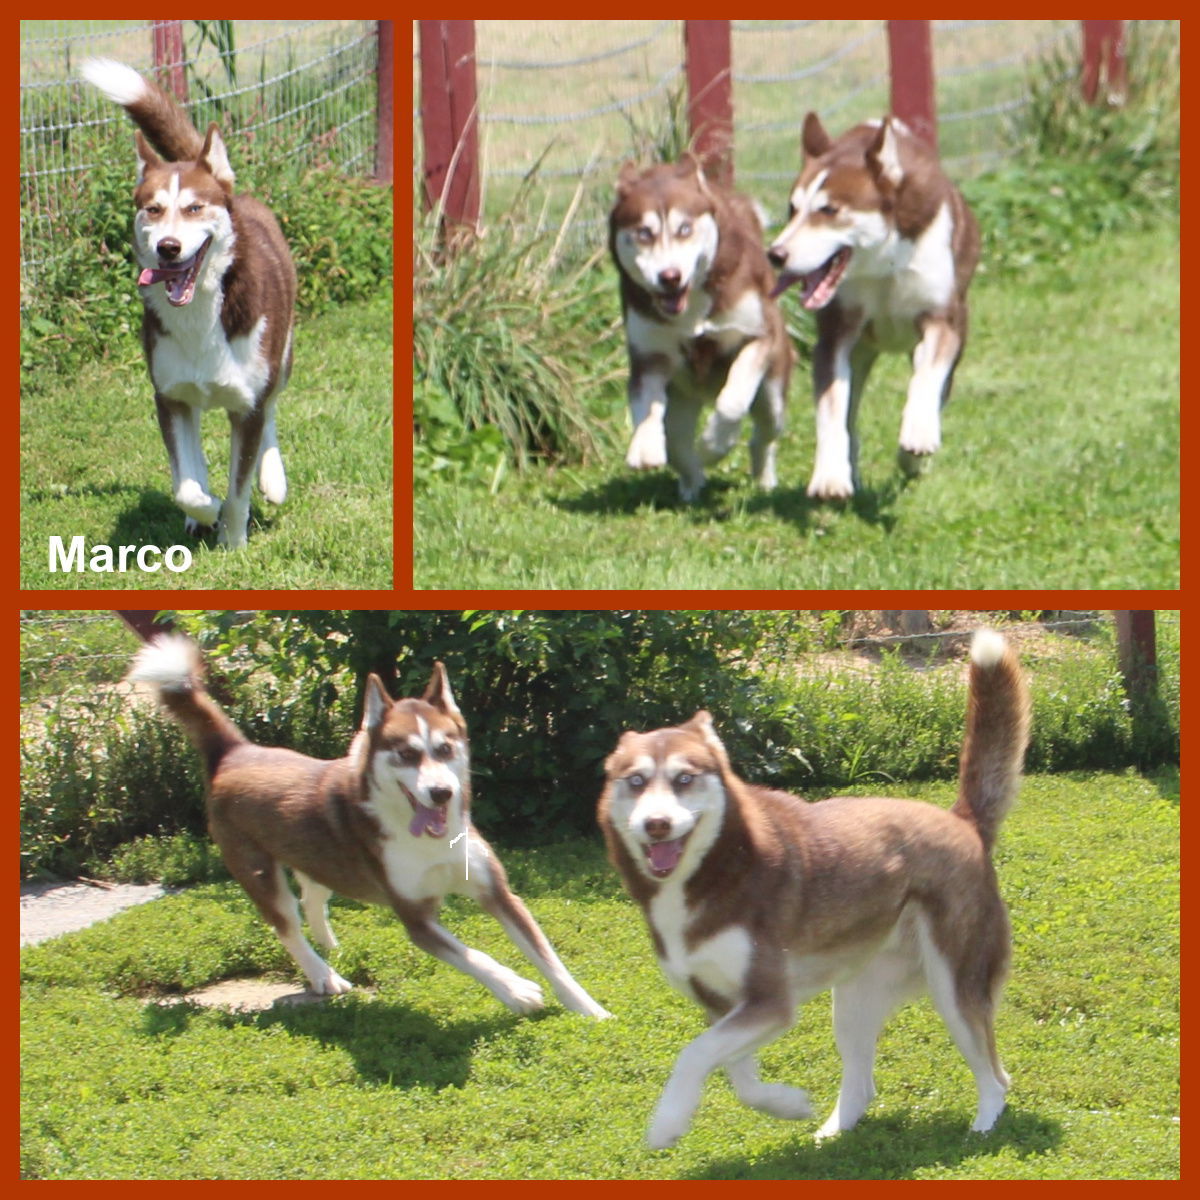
(757, 900)
(700, 323)
(218, 286)
(382, 825)
(884, 247)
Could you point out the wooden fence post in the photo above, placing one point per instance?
(168, 58)
(449, 119)
(1103, 59)
(708, 50)
(910, 51)
(384, 117)
(1137, 654)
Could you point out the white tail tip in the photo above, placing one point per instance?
(170, 663)
(987, 648)
(119, 83)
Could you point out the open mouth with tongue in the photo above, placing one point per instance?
(663, 857)
(179, 278)
(427, 820)
(819, 285)
(672, 302)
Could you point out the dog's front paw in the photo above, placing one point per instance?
(790, 1103)
(648, 448)
(831, 483)
(668, 1125)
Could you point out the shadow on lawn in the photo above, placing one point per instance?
(390, 1043)
(633, 492)
(892, 1147)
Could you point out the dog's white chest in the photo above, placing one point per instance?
(718, 964)
(194, 363)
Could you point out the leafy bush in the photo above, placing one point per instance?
(546, 695)
(507, 335)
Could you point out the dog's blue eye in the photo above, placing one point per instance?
(636, 781)
(683, 779)
(828, 210)
(685, 230)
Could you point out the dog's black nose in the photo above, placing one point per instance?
(670, 278)
(778, 257)
(440, 795)
(168, 249)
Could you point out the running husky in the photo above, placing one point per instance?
(381, 825)
(699, 322)
(885, 247)
(218, 331)
(757, 900)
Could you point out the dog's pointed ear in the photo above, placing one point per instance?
(145, 155)
(702, 724)
(690, 166)
(883, 155)
(215, 159)
(814, 141)
(629, 175)
(376, 704)
(438, 694)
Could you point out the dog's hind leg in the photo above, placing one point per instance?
(682, 414)
(967, 1006)
(271, 477)
(778, 1099)
(180, 426)
(246, 435)
(767, 414)
(266, 885)
(860, 1008)
(314, 899)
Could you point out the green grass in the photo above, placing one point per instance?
(1059, 468)
(428, 1076)
(93, 463)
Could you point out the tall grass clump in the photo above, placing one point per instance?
(1081, 170)
(513, 342)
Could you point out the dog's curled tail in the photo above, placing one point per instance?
(163, 122)
(993, 752)
(172, 666)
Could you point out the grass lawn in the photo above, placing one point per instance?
(1059, 468)
(93, 463)
(423, 1074)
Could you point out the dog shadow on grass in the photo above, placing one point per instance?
(389, 1043)
(892, 1147)
(725, 497)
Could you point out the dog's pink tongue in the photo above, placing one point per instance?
(430, 820)
(664, 856)
(151, 275)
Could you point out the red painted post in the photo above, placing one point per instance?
(708, 50)
(449, 119)
(384, 118)
(168, 58)
(1137, 653)
(910, 49)
(1103, 59)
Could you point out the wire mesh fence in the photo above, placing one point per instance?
(287, 94)
(567, 102)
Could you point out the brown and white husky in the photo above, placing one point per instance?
(218, 286)
(388, 824)
(700, 323)
(884, 246)
(757, 900)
